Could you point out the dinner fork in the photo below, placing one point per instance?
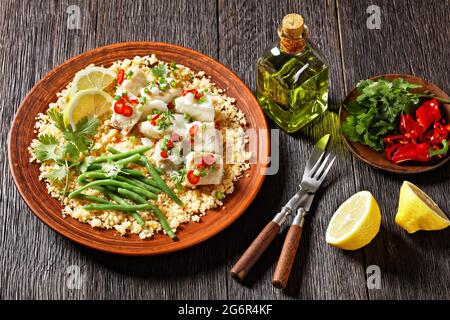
(311, 182)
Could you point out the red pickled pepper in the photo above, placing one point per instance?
(409, 127)
(421, 152)
(415, 143)
(428, 113)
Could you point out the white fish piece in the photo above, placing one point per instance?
(125, 124)
(147, 142)
(197, 111)
(168, 95)
(154, 93)
(151, 131)
(136, 83)
(173, 162)
(206, 139)
(213, 172)
(151, 105)
(179, 123)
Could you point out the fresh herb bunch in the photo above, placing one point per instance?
(376, 111)
(71, 153)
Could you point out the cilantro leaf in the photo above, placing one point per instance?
(87, 126)
(69, 150)
(57, 117)
(46, 148)
(58, 174)
(159, 70)
(376, 111)
(82, 136)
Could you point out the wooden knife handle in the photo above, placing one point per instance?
(254, 252)
(287, 256)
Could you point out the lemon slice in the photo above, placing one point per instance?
(417, 211)
(355, 223)
(86, 103)
(92, 78)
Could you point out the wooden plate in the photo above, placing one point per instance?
(378, 159)
(48, 209)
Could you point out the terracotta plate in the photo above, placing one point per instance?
(378, 159)
(48, 209)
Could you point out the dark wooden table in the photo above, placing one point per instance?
(413, 38)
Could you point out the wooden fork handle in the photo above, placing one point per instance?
(254, 252)
(287, 256)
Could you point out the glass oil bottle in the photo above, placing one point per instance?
(292, 77)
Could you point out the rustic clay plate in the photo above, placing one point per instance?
(48, 209)
(378, 159)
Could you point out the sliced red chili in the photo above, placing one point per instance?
(134, 101)
(117, 140)
(127, 111)
(154, 118)
(164, 154)
(200, 165)
(125, 98)
(193, 131)
(192, 178)
(118, 106)
(169, 144)
(170, 106)
(120, 76)
(193, 91)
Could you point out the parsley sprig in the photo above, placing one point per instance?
(69, 154)
(376, 111)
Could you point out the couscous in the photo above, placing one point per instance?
(140, 147)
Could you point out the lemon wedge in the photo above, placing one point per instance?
(92, 78)
(355, 223)
(417, 211)
(86, 103)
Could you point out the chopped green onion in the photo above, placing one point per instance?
(220, 195)
(142, 100)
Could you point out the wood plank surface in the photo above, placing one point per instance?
(36, 259)
(414, 36)
(319, 271)
(413, 39)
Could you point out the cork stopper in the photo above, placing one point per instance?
(292, 25)
(292, 33)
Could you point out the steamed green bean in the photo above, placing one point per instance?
(121, 155)
(115, 183)
(117, 207)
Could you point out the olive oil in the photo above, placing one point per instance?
(292, 78)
